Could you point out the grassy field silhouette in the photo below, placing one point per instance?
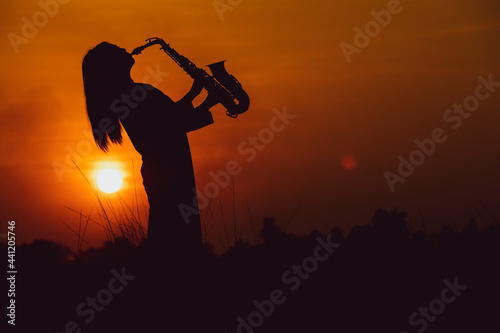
(377, 278)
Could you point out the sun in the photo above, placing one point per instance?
(109, 180)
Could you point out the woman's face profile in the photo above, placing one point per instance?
(123, 55)
(112, 58)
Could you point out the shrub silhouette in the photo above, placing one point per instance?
(374, 281)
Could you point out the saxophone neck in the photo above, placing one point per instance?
(150, 42)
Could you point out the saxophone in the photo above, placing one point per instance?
(224, 86)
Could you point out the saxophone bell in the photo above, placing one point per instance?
(239, 101)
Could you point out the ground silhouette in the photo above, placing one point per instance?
(379, 275)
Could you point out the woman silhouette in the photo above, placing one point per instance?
(157, 127)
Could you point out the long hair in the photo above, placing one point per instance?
(104, 70)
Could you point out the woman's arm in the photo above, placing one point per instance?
(195, 90)
(196, 117)
(209, 102)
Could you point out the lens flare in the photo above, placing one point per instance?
(349, 162)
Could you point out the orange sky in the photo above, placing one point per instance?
(287, 55)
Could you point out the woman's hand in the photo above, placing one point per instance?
(195, 90)
(210, 101)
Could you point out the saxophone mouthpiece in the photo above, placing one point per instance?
(150, 41)
(137, 51)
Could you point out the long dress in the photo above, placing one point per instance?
(157, 127)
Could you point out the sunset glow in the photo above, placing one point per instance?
(356, 108)
(188, 165)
